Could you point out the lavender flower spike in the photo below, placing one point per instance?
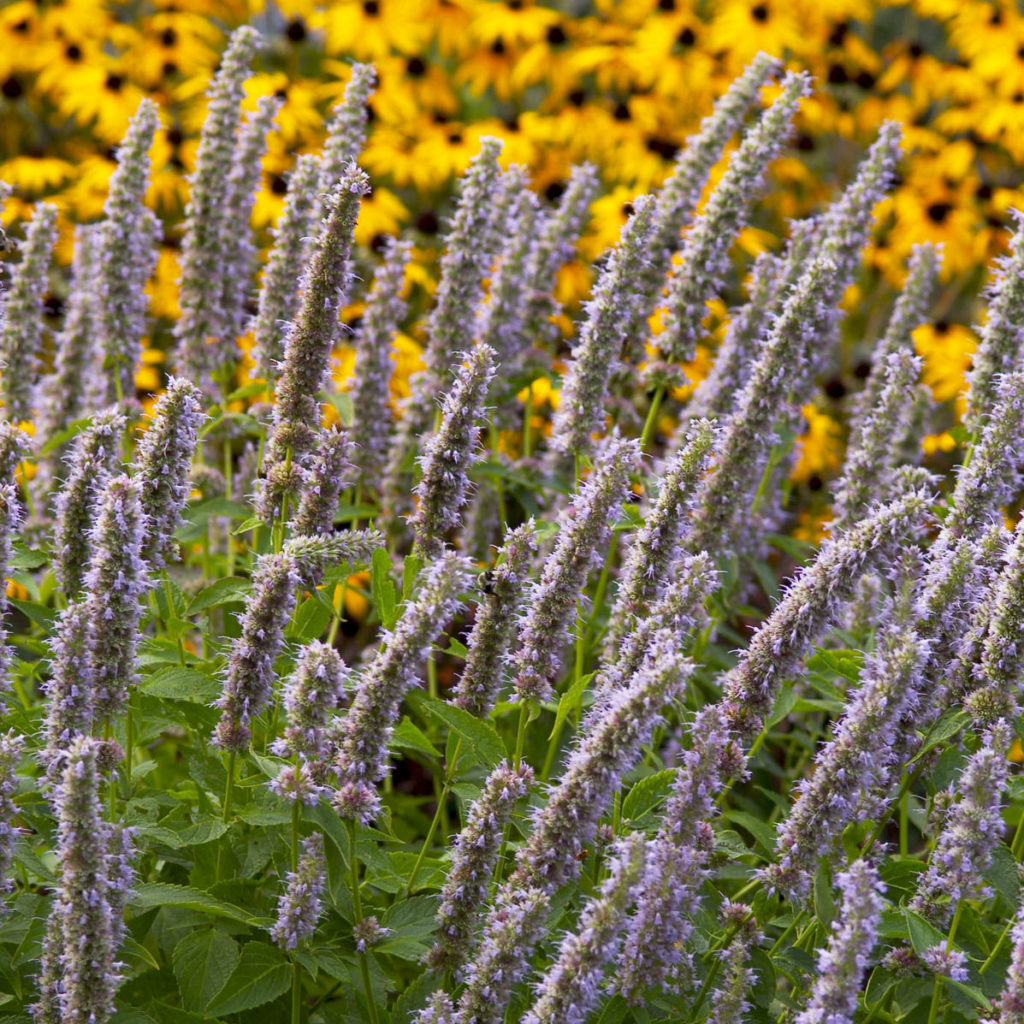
(970, 829)
(583, 532)
(474, 857)
(870, 462)
(371, 400)
(10, 520)
(250, 669)
(162, 461)
(311, 339)
(116, 579)
(678, 198)
(79, 973)
(813, 598)
(329, 473)
(448, 454)
(646, 566)
(202, 282)
(239, 252)
(92, 459)
(70, 691)
(11, 748)
(300, 906)
(362, 735)
(705, 253)
(1001, 336)
(278, 296)
(21, 329)
(853, 765)
(609, 312)
(346, 131)
(746, 438)
(480, 683)
(843, 961)
(1011, 1004)
(728, 1001)
(996, 674)
(571, 986)
(128, 254)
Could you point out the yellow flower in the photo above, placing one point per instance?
(372, 29)
(820, 446)
(947, 350)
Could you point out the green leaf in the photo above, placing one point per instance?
(256, 387)
(949, 725)
(411, 568)
(70, 431)
(763, 833)
(408, 736)
(382, 587)
(204, 831)
(26, 558)
(480, 735)
(571, 699)
(1002, 874)
(203, 962)
(178, 683)
(824, 904)
(784, 704)
(149, 895)
(342, 403)
(227, 591)
(261, 975)
(647, 794)
(844, 663)
(922, 935)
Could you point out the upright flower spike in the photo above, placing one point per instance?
(80, 973)
(772, 279)
(667, 895)
(990, 477)
(449, 454)
(162, 461)
(553, 247)
(115, 581)
(21, 329)
(705, 253)
(250, 669)
(346, 130)
(583, 531)
(91, 461)
(474, 858)
(843, 962)
(646, 565)
(608, 747)
(1002, 334)
(971, 827)
(11, 748)
(511, 932)
(10, 521)
(746, 439)
(278, 296)
(494, 627)
(14, 446)
(328, 474)
(609, 312)
(678, 198)
(853, 767)
(372, 418)
(1011, 1003)
(311, 339)
(70, 690)
(62, 393)
(729, 1000)
(362, 735)
(128, 253)
(299, 907)
(871, 461)
(909, 312)
(811, 601)
(994, 670)
(466, 259)
(239, 251)
(201, 284)
(571, 986)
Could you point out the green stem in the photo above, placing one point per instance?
(357, 905)
(933, 1011)
(528, 423)
(296, 968)
(229, 787)
(438, 811)
(652, 417)
(521, 734)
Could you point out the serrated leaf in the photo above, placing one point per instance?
(175, 682)
(568, 701)
(784, 704)
(844, 663)
(226, 591)
(922, 934)
(202, 832)
(647, 794)
(203, 962)
(763, 833)
(408, 736)
(1002, 874)
(950, 724)
(480, 736)
(261, 975)
(148, 895)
